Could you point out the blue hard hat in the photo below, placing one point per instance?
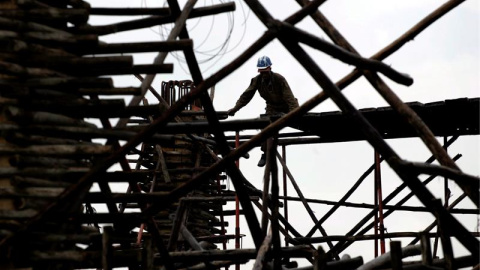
(263, 62)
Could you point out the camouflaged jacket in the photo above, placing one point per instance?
(274, 89)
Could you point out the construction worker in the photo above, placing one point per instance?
(273, 88)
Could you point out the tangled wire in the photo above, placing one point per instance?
(205, 55)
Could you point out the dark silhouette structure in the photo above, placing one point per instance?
(172, 155)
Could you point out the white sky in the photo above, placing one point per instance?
(443, 61)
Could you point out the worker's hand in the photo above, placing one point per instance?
(231, 112)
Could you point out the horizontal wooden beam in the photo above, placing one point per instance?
(152, 20)
(136, 47)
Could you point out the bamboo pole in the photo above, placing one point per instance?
(396, 255)
(200, 12)
(444, 230)
(321, 258)
(261, 260)
(400, 41)
(426, 249)
(472, 211)
(344, 55)
(266, 188)
(364, 237)
(276, 244)
(453, 174)
(107, 249)
(387, 257)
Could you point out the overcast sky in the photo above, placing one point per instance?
(443, 61)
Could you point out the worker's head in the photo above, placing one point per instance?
(264, 64)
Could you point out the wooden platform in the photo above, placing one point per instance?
(444, 118)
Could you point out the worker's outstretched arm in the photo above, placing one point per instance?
(245, 98)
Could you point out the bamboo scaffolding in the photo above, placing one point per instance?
(51, 155)
(360, 180)
(375, 139)
(385, 201)
(407, 113)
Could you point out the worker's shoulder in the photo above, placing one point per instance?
(278, 76)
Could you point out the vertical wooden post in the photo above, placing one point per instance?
(375, 218)
(426, 250)
(266, 187)
(396, 255)
(222, 218)
(107, 248)
(378, 180)
(320, 259)
(148, 254)
(237, 204)
(262, 252)
(443, 229)
(285, 189)
(445, 179)
(275, 191)
(177, 223)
